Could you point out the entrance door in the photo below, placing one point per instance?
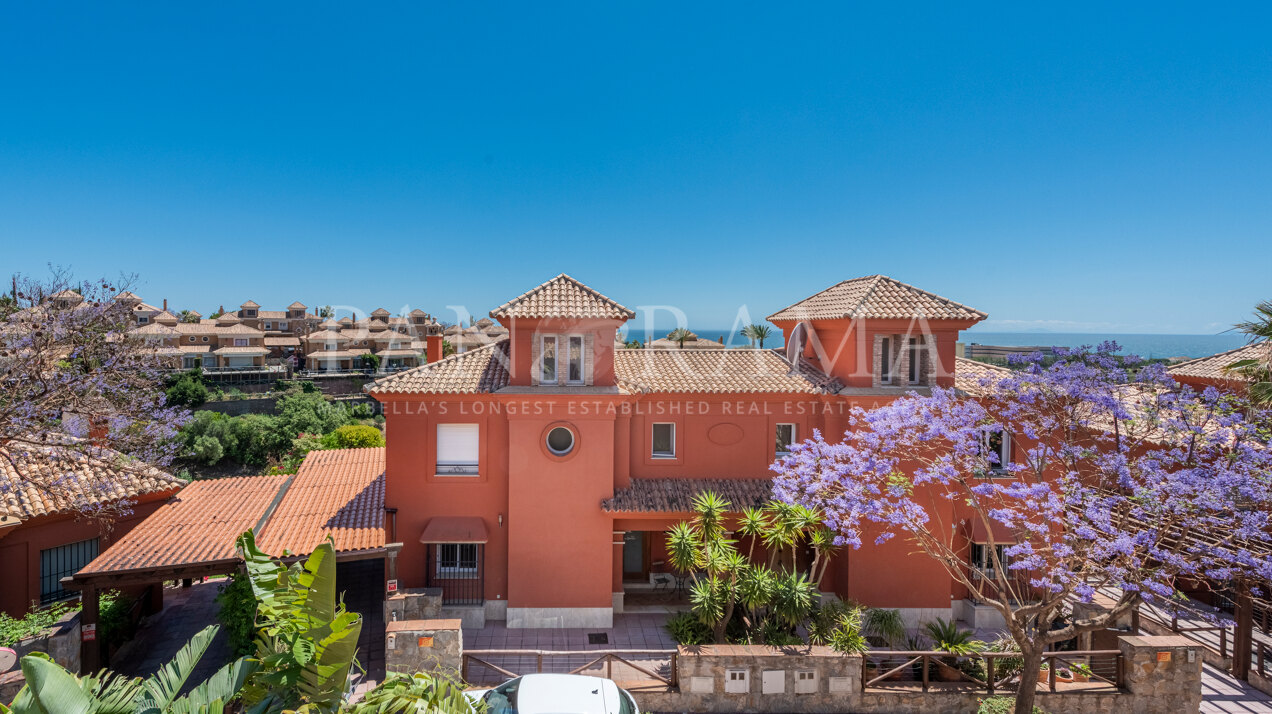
(636, 556)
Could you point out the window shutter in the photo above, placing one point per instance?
(457, 443)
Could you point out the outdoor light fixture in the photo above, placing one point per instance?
(501, 520)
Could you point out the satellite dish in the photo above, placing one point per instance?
(795, 345)
(8, 659)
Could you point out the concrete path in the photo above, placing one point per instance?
(1221, 693)
(185, 612)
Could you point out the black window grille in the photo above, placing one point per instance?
(459, 570)
(57, 563)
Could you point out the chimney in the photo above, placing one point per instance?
(165, 303)
(433, 343)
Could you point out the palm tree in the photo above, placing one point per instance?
(1258, 370)
(757, 332)
(680, 335)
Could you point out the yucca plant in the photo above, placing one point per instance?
(885, 625)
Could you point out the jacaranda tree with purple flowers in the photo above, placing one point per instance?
(75, 386)
(1119, 482)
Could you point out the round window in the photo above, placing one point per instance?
(560, 441)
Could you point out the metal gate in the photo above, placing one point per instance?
(459, 569)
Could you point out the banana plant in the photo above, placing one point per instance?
(306, 640)
(50, 689)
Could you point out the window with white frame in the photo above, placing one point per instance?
(192, 338)
(205, 338)
(663, 441)
(574, 373)
(982, 560)
(996, 448)
(785, 437)
(282, 325)
(329, 346)
(240, 342)
(142, 319)
(249, 313)
(457, 449)
(548, 359)
(457, 560)
(269, 325)
(916, 360)
(885, 360)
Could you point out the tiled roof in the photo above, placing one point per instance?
(198, 525)
(563, 296)
(717, 372)
(675, 495)
(1212, 367)
(155, 329)
(473, 372)
(380, 312)
(240, 330)
(338, 493)
(194, 349)
(249, 304)
(694, 344)
(876, 297)
(242, 350)
(298, 305)
(272, 314)
(391, 336)
(333, 354)
(975, 377)
(282, 341)
(404, 352)
(326, 335)
(51, 480)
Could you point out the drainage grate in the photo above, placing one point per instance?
(597, 638)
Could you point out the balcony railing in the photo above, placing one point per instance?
(1093, 671)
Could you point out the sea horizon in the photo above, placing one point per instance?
(1144, 344)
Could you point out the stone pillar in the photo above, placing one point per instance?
(1165, 671)
(413, 604)
(432, 646)
(617, 572)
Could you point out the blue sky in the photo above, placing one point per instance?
(1069, 167)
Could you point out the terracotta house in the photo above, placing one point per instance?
(533, 479)
(45, 534)
(1211, 371)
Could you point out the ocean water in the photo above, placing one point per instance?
(1144, 345)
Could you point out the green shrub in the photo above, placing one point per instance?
(14, 630)
(825, 618)
(113, 622)
(362, 410)
(188, 391)
(846, 638)
(258, 438)
(236, 393)
(207, 449)
(310, 413)
(237, 612)
(308, 387)
(354, 436)
(686, 629)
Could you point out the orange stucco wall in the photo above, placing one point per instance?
(20, 551)
(556, 546)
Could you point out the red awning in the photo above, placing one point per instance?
(977, 533)
(455, 529)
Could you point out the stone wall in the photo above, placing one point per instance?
(413, 604)
(61, 642)
(435, 646)
(1162, 676)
